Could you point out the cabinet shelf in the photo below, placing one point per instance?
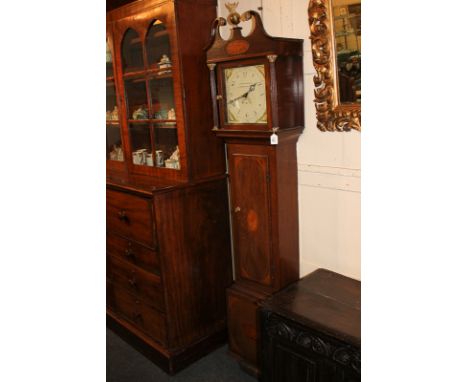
(160, 34)
(158, 73)
(154, 35)
(114, 122)
(156, 121)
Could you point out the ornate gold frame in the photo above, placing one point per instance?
(331, 115)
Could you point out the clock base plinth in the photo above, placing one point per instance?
(243, 326)
(250, 369)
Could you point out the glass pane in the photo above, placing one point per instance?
(114, 143)
(113, 138)
(109, 68)
(140, 139)
(132, 52)
(137, 104)
(166, 145)
(246, 100)
(112, 111)
(162, 98)
(158, 47)
(347, 19)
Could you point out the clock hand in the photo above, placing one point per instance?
(252, 88)
(246, 94)
(238, 98)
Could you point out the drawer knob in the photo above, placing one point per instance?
(129, 253)
(123, 216)
(132, 282)
(237, 209)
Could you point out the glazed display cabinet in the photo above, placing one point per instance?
(168, 240)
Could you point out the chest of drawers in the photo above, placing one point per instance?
(168, 266)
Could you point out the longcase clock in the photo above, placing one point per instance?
(257, 100)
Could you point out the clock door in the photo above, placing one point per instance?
(245, 95)
(250, 198)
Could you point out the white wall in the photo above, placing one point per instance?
(328, 163)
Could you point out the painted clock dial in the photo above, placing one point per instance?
(245, 94)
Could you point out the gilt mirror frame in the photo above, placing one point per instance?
(331, 115)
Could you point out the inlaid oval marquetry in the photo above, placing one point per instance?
(237, 47)
(252, 221)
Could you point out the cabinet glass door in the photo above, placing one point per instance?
(132, 52)
(140, 139)
(114, 151)
(158, 46)
(149, 93)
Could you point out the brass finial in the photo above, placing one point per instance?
(233, 17)
(231, 7)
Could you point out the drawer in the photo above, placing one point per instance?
(143, 316)
(130, 216)
(133, 252)
(144, 285)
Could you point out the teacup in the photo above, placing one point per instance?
(172, 163)
(161, 114)
(159, 155)
(149, 160)
(139, 156)
(119, 154)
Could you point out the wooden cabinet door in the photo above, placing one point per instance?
(249, 169)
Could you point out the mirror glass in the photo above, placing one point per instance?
(347, 29)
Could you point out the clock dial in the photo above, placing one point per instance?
(245, 94)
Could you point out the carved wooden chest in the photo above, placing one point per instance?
(311, 331)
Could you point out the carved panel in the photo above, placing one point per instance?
(291, 366)
(343, 354)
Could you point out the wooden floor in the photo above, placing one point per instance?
(124, 364)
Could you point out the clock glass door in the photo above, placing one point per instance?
(246, 100)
